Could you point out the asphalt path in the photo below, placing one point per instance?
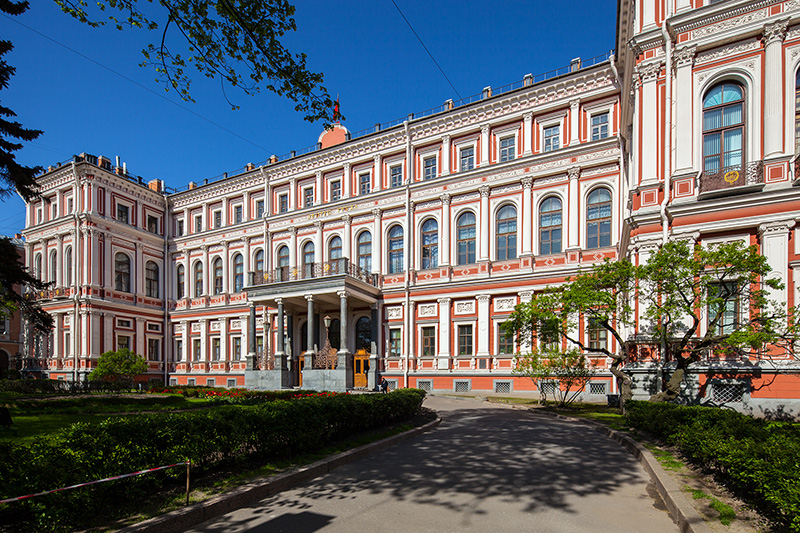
(486, 468)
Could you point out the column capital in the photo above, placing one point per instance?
(309, 297)
(318, 174)
(346, 168)
(527, 183)
(377, 212)
(775, 32)
(684, 56)
(293, 231)
(484, 190)
(279, 301)
(318, 224)
(342, 294)
(528, 115)
(485, 129)
(443, 301)
(574, 172)
(347, 219)
(650, 71)
(574, 104)
(377, 158)
(446, 138)
(775, 228)
(445, 198)
(483, 297)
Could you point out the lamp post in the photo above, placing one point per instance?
(326, 350)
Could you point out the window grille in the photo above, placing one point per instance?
(191, 382)
(392, 384)
(231, 383)
(462, 386)
(425, 384)
(211, 383)
(727, 392)
(502, 387)
(173, 381)
(597, 388)
(548, 388)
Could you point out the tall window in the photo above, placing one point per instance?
(122, 213)
(216, 346)
(217, 275)
(196, 352)
(283, 203)
(552, 138)
(122, 272)
(335, 249)
(236, 349)
(68, 260)
(53, 265)
(598, 219)
(428, 341)
(198, 223)
(364, 334)
(217, 219)
(396, 176)
(238, 273)
(179, 228)
(364, 253)
(599, 126)
(598, 335)
(153, 351)
(505, 342)
(152, 224)
(336, 190)
(181, 275)
(238, 214)
(727, 305)
(308, 197)
(465, 340)
(259, 264)
(259, 208)
(283, 263)
(723, 127)
(508, 149)
(151, 279)
(467, 158)
(550, 226)
(465, 238)
(198, 279)
(364, 183)
(430, 244)
(395, 339)
(396, 250)
(37, 266)
(429, 168)
(506, 233)
(308, 258)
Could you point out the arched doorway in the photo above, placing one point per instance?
(361, 357)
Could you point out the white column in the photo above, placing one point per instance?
(292, 247)
(292, 194)
(140, 336)
(483, 325)
(377, 183)
(108, 319)
(346, 181)
(58, 332)
(574, 121)
(527, 226)
(45, 262)
(649, 110)
(246, 257)
(204, 339)
(484, 145)
(775, 247)
(684, 59)
(60, 261)
(246, 206)
(223, 340)
(773, 90)
(411, 345)
(445, 155)
(444, 236)
(649, 14)
(484, 221)
(226, 259)
(207, 272)
(319, 193)
(574, 209)
(525, 344)
(244, 320)
(226, 218)
(320, 243)
(527, 133)
(83, 327)
(346, 237)
(443, 360)
(185, 326)
(377, 240)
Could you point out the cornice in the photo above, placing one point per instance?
(718, 13)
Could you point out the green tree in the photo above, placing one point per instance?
(120, 367)
(236, 40)
(568, 370)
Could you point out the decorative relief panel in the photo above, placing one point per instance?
(177, 328)
(215, 326)
(427, 310)
(196, 327)
(236, 324)
(726, 51)
(394, 312)
(730, 24)
(504, 304)
(465, 308)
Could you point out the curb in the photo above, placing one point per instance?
(689, 521)
(187, 517)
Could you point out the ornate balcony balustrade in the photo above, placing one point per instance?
(732, 177)
(336, 267)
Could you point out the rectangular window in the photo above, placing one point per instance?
(191, 382)
(464, 340)
(123, 342)
(552, 138)
(599, 126)
(394, 342)
(152, 224)
(467, 158)
(54, 211)
(198, 223)
(336, 191)
(196, 350)
(508, 149)
(237, 214)
(724, 307)
(237, 348)
(122, 213)
(3, 326)
(429, 168)
(153, 352)
(69, 205)
(429, 341)
(259, 346)
(364, 183)
(283, 203)
(231, 383)
(67, 345)
(396, 176)
(308, 197)
(216, 344)
(549, 336)
(259, 208)
(598, 335)
(217, 219)
(505, 342)
(178, 355)
(179, 228)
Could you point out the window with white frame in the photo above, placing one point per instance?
(216, 347)
(123, 213)
(152, 224)
(238, 214)
(308, 197)
(552, 138)
(505, 341)
(153, 350)
(598, 219)
(151, 279)
(198, 223)
(508, 148)
(506, 233)
(428, 341)
(395, 176)
(600, 126)
(466, 158)
(236, 353)
(217, 275)
(181, 281)
(364, 251)
(122, 272)
(723, 306)
(336, 190)
(395, 340)
(550, 226)
(196, 350)
(465, 339)
(283, 203)
(395, 252)
(123, 342)
(465, 238)
(179, 228)
(429, 168)
(259, 208)
(238, 273)
(597, 335)
(364, 183)
(70, 205)
(430, 244)
(198, 279)
(217, 218)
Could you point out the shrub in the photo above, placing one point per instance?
(755, 458)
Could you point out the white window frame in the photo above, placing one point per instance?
(303, 192)
(260, 204)
(548, 121)
(280, 196)
(195, 218)
(178, 223)
(473, 325)
(586, 190)
(420, 326)
(599, 109)
(361, 174)
(233, 209)
(331, 183)
(121, 337)
(504, 133)
(496, 323)
(469, 143)
(389, 329)
(216, 215)
(128, 205)
(432, 152)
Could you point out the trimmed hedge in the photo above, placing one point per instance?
(757, 459)
(208, 438)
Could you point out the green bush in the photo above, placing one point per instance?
(208, 438)
(755, 458)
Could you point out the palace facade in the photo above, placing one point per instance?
(399, 252)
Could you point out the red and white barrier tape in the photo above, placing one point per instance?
(140, 472)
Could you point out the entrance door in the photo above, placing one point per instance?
(360, 369)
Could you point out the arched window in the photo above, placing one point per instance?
(53, 266)
(181, 275)
(122, 272)
(37, 266)
(723, 128)
(364, 334)
(308, 259)
(198, 279)
(395, 250)
(151, 279)
(364, 254)
(283, 263)
(506, 233)
(259, 263)
(598, 219)
(550, 226)
(465, 239)
(335, 249)
(430, 244)
(218, 275)
(238, 273)
(68, 266)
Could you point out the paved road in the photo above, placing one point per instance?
(484, 469)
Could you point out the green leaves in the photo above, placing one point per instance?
(121, 366)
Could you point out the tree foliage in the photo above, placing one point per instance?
(238, 41)
(568, 370)
(691, 301)
(119, 367)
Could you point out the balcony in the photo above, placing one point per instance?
(336, 267)
(736, 179)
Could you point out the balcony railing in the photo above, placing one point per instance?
(336, 267)
(732, 177)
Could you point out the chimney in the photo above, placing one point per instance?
(487, 92)
(155, 185)
(527, 81)
(192, 185)
(448, 104)
(575, 64)
(249, 166)
(273, 158)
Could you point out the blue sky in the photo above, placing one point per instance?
(369, 57)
